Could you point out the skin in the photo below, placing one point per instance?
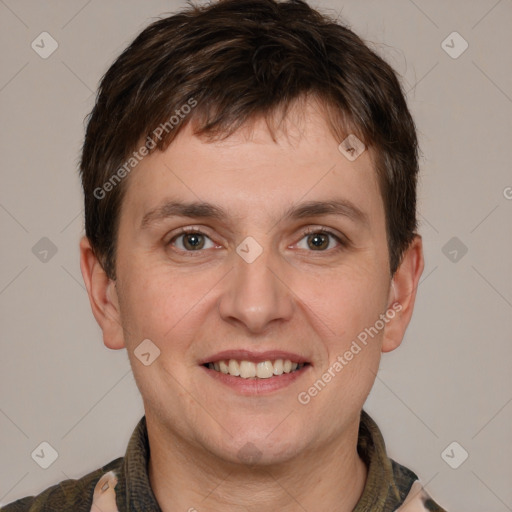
(293, 297)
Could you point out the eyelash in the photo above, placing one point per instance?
(343, 243)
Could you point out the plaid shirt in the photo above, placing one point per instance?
(123, 484)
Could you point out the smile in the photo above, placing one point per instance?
(248, 369)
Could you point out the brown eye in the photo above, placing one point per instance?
(319, 240)
(191, 241)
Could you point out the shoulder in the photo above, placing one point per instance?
(414, 497)
(72, 495)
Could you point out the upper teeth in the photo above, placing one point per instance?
(262, 370)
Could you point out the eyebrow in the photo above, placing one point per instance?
(202, 210)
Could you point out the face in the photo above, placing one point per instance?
(265, 272)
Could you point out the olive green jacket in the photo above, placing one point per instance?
(123, 484)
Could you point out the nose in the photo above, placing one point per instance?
(256, 294)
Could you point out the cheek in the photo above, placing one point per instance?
(353, 344)
(351, 305)
(153, 302)
(165, 305)
(348, 300)
(358, 350)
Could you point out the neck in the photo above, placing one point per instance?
(187, 478)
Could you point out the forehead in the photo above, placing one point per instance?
(248, 174)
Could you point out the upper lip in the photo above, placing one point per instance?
(255, 357)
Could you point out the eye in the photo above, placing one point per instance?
(319, 240)
(191, 240)
(315, 239)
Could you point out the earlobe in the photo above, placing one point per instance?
(102, 296)
(403, 294)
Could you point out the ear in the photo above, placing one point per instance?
(402, 294)
(102, 296)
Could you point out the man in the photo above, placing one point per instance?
(249, 172)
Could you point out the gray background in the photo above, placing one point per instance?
(450, 381)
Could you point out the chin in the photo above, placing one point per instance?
(259, 448)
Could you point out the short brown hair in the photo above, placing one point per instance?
(235, 61)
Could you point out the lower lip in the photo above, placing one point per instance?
(254, 385)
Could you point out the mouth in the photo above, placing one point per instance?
(251, 373)
(245, 369)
